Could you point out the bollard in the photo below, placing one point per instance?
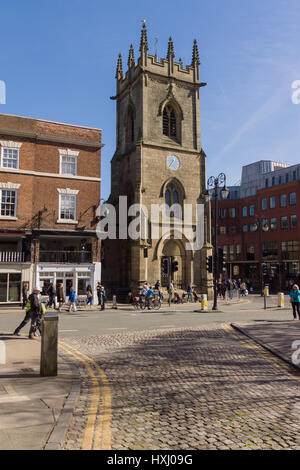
(114, 304)
(2, 353)
(281, 300)
(49, 345)
(266, 294)
(204, 306)
(266, 291)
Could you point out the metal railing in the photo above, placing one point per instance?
(76, 257)
(13, 257)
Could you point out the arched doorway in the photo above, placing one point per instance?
(172, 250)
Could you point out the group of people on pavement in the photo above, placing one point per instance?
(56, 297)
(35, 308)
(233, 285)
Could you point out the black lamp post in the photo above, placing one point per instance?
(215, 183)
(261, 227)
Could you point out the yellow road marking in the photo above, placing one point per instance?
(87, 442)
(260, 351)
(102, 428)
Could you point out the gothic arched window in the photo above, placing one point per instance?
(171, 196)
(169, 122)
(173, 201)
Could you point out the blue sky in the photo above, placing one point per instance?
(58, 60)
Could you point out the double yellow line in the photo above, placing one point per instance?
(97, 433)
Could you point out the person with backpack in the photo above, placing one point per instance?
(35, 312)
(33, 305)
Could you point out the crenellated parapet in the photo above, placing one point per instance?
(164, 67)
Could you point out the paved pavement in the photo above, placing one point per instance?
(206, 388)
(175, 380)
(30, 405)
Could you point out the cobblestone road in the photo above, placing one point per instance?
(203, 388)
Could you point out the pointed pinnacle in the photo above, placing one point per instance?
(195, 54)
(119, 72)
(144, 41)
(131, 61)
(170, 49)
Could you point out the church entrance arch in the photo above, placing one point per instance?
(172, 250)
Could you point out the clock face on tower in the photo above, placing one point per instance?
(173, 162)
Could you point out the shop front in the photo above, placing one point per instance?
(78, 278)
(11, 281)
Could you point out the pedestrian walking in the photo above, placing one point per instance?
(35, 312)
(26, 320)
(99, 293)
(25, 294)
(52, 295)
(295, 300)
(89, 294)
(103, 298)
(243, 289)
(171, 290)
(60, 296)
(190, 293)
(72, 300)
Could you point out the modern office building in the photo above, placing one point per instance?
(258, 225)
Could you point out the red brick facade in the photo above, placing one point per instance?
(248, 246)
(41, 185)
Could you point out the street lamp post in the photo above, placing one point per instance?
(261, 227)
(215, 183)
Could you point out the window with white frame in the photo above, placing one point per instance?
(68, 162)
(67, 206)
(10, 157)
(8, 203)
(68, 165)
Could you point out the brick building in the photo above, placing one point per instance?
(50, 191)
(258, 225)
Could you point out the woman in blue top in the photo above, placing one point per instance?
(295, 299)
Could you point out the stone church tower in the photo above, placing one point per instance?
(158, 160)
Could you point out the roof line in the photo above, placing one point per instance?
(53, 122)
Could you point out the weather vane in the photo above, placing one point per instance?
(156, 41)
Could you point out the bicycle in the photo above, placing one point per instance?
(154, 304)
(139, 303)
